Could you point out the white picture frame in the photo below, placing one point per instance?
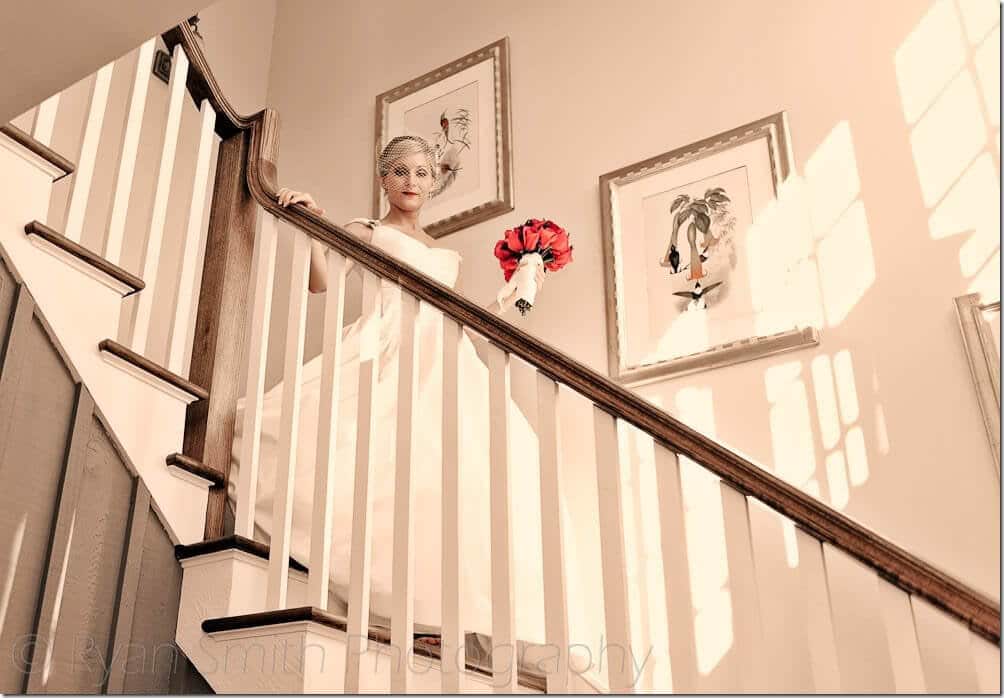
(661, 320)
(471, 96)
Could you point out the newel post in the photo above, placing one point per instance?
(220, 343)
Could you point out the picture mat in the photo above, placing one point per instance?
(636, 320)
(483, 74)
(423, 121)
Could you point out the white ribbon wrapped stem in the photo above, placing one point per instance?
(521, 288)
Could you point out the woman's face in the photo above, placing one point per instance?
(409, 182)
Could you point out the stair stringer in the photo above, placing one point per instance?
(81, 310)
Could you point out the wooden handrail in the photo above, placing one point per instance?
(893, 563)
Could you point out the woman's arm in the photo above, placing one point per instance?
(317, 281)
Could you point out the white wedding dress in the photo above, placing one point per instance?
(443, 265)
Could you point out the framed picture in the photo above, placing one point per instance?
(686, 262)
(981, 337)
(462, 110)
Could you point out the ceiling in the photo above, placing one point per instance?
(47, 45)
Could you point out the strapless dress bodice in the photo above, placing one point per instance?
(440, 263)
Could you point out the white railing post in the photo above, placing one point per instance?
(162, 194)
(403, 580)
(552, 542)
(188, 281)
(45, 120)
(612, 555)
(84, 173)
(451, 641)
(822, 643)
(746, 617)
(130, 148)
(289, 430)
(357, 630)
(504, 654)
(263, 276)
(327, 432)
(676, 571)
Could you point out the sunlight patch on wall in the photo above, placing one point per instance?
(954, 141)
(847, 392)
(831, 176)
(846, 264)
(979, 17)
(988, 70)
(929, 58)
(881, 430)
(843, 253)
(709, 575)
(783, 279)
(965, 210)
(790, 427)
(826, 401)
(836, 480)
(987, 283)
(857, 456)
(949, 137)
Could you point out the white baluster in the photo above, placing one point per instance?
(45, 119)
(84, 173)
(327, 432)
(162, 194)
(263, 276)
(945, 650)
(503, 608)
(819, 633)
(612, 553)
(451, 641)
(676, 570)
(188, 282)
(865, 664)
(746, 617)
(289, 426)
(901, 632)
(130, 147)
(403, 580)
(552, 540)
(362, 500)
(987, 660)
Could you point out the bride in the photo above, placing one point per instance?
(408, 174)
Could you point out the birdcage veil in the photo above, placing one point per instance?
(441, 171)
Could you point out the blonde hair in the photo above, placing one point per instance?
(402, 146)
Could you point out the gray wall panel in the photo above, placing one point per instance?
(80, 653)
(33, 442)
(66, 523)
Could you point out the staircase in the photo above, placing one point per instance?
(167, 350)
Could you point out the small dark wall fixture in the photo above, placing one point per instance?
(162, 65)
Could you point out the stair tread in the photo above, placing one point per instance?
(232, 542)
(196, 467)
(140, 361)
(376, 633)
(40, 149)
(84, 254)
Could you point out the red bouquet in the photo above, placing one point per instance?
(524, 248)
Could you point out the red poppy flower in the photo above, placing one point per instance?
(542, 236)
(514, 240)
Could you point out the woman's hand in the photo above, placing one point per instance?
(288, 197)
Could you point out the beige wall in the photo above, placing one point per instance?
(893, 122)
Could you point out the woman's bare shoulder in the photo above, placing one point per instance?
(359, 229)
